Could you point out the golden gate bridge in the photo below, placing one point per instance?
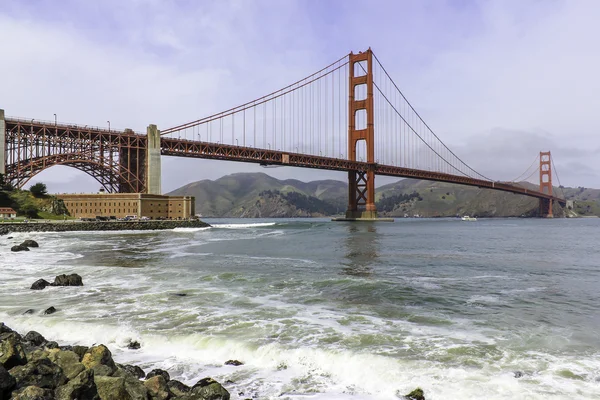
(349, 116)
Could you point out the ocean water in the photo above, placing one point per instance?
(327, 310)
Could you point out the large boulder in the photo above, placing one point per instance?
(40, 284)
(68, 280)
(209, 389)
(120, 388)
(80, 351)
(157, 388)
(68, 361)
(33, 393)
(7, 383)
(133, 370)
(41, 373)
(4, 328)
(99, 359)
(34, 338)
(18, 247)
(81, 387)
(11, 351)
(50, 310)
(30, 243)
(178, 389)
(161, 372)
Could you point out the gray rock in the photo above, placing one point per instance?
(209, 389)
(134, 370)
(40, 284)
(33, 393)
(51, 345)
(7, 383)
(34, 338)
(80, 387)
(518, 374)
(235, 363)
(157, 388)
(18, 247)
(30, 243)
(4, 328)
(29, 311)
(50, 310)
(160, 372)
(416, 394)
(119, 388)
(68, 280)
(41, 373)
(134, 345)
(80, 351)
(11, 351)
(68, 361)
(99, 358)
(178, 389)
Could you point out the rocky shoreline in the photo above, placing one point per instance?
(33, 368)
(70, 226)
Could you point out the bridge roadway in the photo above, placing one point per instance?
(216, 151)
(66, 142)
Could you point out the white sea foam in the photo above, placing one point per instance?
(191, 230)
(243, 226)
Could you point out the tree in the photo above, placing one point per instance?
(38, 190)
(29, 210)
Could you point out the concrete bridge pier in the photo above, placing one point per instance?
(2, 143)
(153, 178)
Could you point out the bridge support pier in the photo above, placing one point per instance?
(153, 168)
(2, 143)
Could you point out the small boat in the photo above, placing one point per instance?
(467, 218)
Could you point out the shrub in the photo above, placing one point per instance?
(38, 190)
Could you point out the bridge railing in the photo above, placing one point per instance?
(33, 121)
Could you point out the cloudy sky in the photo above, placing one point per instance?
(498, 81)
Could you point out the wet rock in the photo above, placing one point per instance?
(29, 311)
(18, 247)
(99, 359)
(30, 243)
(68, 361)
(209, 389)
(33, 393)
(40, 284)
(120, 388)
(7, 383)
(81, 386)
(157, 388)
(51, 345)
(10, 237)
(37, 354)
(41, 373)
(50, 310)
(134, 345)
(11, 351)
(34, 338)
(416, 394)
(68, 280)
(160, 372)
(180, 294)
(134, 370)
(80, 351)
(518, 374)
(5, 329)
(235, 363)
(178, 389)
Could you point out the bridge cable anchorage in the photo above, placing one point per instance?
(261, 100)
(557, 178)
(439, 148)
(536, 160)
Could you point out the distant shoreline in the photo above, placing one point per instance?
(77, 226)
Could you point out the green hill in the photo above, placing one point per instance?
(28, 205)
(260, 195)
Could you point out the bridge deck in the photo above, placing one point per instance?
(189, 148)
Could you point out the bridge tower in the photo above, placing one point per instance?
(361, 184)
(546, 184)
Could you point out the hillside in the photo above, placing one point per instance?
(256, 195)
(29, 206)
